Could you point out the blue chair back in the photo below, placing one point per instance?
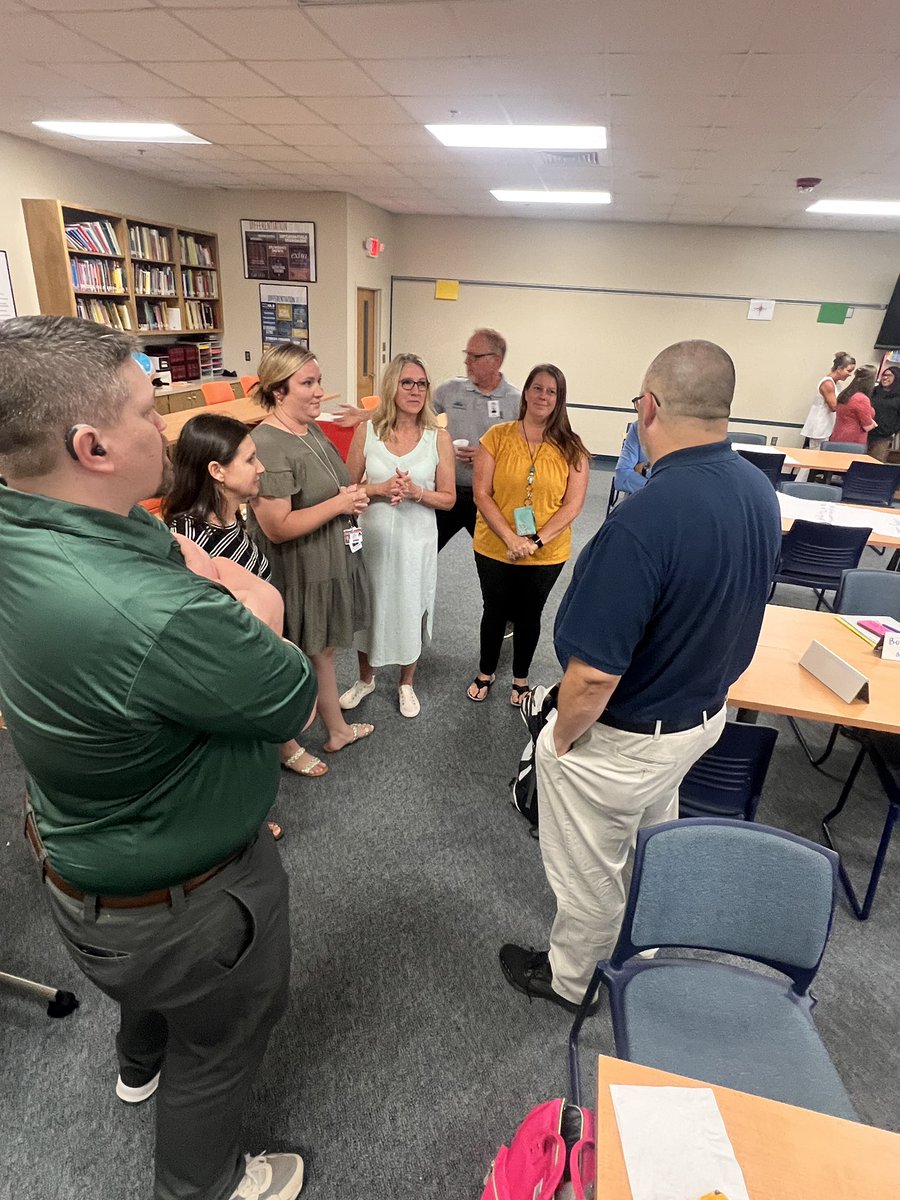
(731, 887)
(728, 780)
(870, 483)
(869, 593)
(748, 439)
(769, 464)
(815, 555)
(812, 491)
(844, 447)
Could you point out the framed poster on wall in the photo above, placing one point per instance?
(282, 251)
(284, 314)
(7, 299)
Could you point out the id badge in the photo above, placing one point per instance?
(494, 409)
(524, 521)
(353, 538)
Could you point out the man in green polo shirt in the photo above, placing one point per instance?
(147, 706)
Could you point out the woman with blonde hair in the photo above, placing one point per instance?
(408, 467)
(305, 522)
(819, 423)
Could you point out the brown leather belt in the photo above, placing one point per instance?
(146, 900)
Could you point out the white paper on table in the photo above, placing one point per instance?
(675, 1143)
(757, 449)
(827, 512)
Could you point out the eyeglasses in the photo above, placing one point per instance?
(487, 354)
(414, 385)
(637, 399)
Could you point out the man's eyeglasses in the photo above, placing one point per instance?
(487, 354)
(414, 385)
(637, 399)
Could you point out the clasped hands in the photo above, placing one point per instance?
(400, 487)
(520, 547)
(356, 499)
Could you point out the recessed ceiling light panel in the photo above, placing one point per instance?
(857, 208)
(522, 137)
(122, 131)
(545, 197)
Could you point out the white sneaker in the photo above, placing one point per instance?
(136, 1095)
(409, 701)
(270, 1177)
(358, 692)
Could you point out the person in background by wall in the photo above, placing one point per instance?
(819, 423)
(886, 403)
(531, 478)
(305, 522)
(216, 471)
(473, 403)
(632, 467)
(408, 467)
(855, 416)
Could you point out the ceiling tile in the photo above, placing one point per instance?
(810, 75)
(438, 110)
(391, 135)
(661, 27)
(377, 110)
(530, 27)
(24, 80)
(278, 154)
(587, 108)
(418, 76)
(345, 154)
(232, 135)
(307, 135)
(339, 78)
(215, 79)
(187, 109)
(653, 110)
(811, 27)
(263, 34)
(124, 79)
(393, 30)
(88, 5)
(278, 110)
(674, 74)
(33, 37)
(147, 34)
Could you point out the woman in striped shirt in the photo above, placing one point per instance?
(216, 471)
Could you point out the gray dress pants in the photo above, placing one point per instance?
(200, 985)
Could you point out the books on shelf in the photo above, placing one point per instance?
(97, 275)
(146, 242)
(96, 237)
(194, 253)
(154, 316)
(105, 312)
(154, 281)
(199, 285)
(199, 316)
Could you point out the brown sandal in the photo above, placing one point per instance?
(484, 685)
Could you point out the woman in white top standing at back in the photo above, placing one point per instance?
(820, 421)
(408, 466)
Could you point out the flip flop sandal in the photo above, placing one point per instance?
(311, 770)
(360, 731)
(521, 690)
(482, 685)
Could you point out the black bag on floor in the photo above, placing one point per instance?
(536, 708)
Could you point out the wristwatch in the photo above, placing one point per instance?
(536, 538)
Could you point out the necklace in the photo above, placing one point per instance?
(310, 445)
(529, 481)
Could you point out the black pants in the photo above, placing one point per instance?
(461, 516)
(514, 592)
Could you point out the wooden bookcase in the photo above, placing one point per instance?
(157, 281)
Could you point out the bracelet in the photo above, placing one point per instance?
(420, 495)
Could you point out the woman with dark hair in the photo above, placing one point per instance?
(217, 471)
(855, 416)
(408, 466)
(886, 403)
(819, 423)
(530, 481)
(305, 519)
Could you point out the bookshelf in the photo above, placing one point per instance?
(150, 279)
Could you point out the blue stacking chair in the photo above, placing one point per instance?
(870, 483)
(816, 556)
(748, 439)
(769, 464)
(727, 781)
(736, 889)
(812, 491)
(843, 448)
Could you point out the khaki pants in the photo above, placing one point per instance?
(593, 801)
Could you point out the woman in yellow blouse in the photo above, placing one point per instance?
(530, 480)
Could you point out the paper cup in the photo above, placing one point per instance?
(460, 442)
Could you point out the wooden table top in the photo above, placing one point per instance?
(776, 683)
(243, 409)
(785, 1153)
(827, 460)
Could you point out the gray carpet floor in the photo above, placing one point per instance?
(405, 1059)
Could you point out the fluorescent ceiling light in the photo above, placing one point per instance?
(522, 137)
(122, 131)
(858, 208)
(542, 197)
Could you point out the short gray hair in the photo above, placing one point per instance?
(54, 373)
(496, 341)
(693, 380)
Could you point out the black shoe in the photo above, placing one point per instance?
(529, 971)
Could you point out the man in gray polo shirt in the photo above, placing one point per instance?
(473, 403)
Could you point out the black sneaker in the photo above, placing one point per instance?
(529, 971)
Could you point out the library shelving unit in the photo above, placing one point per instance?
(158, 281)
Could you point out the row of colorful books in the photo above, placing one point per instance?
(199, 316)
(98, 237)
(200, 285)
(105, 312)
(97, 275)
(158, 281)
(147, 242)
(193, 252)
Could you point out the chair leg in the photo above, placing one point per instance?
(816, 762)
(894, 564)
(574, 1071)
(861, 910)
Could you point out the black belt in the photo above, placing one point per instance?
(653, 727)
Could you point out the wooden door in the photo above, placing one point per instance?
(366, 341)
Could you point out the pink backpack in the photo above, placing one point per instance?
(554, 1145)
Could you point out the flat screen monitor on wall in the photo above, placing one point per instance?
(889, 336)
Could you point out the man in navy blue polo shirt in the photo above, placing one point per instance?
(661, 617)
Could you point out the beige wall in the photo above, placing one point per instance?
(603, 342)
(365, 221)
